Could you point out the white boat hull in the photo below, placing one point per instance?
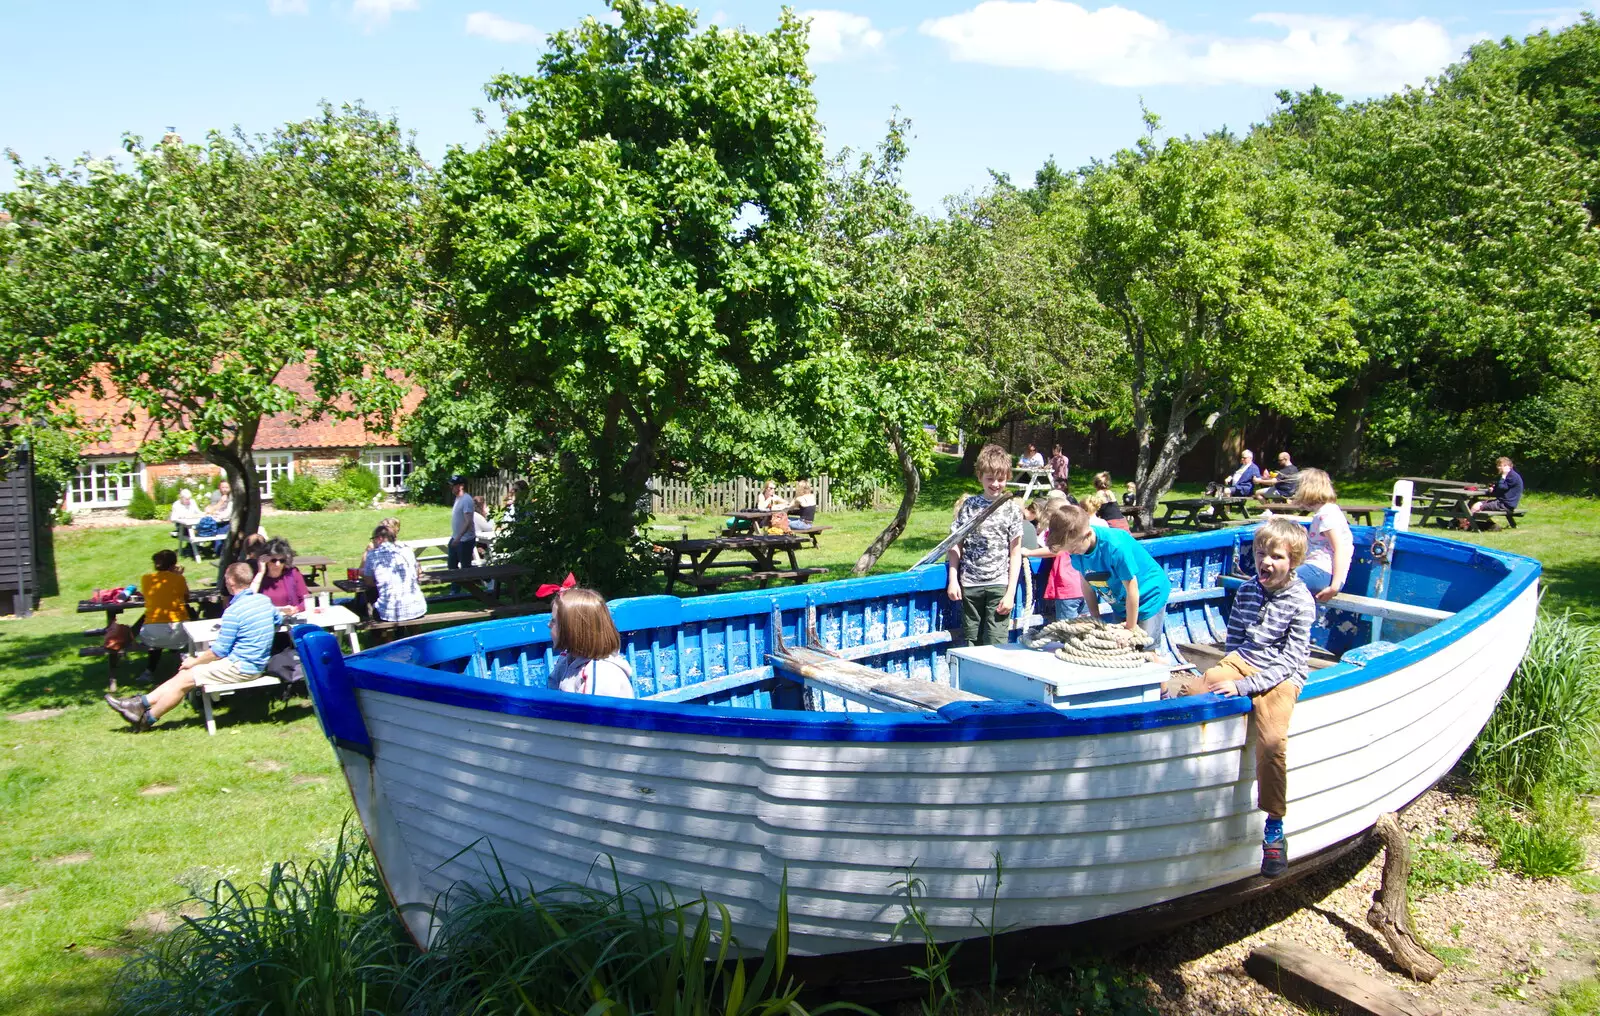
(1084, 826)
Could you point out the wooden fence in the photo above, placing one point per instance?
(679, 497)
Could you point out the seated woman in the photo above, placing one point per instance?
(591, 660)
(804, 508)
(770, 500)
(166, 607)
(391, 571)
(1105, 503)
(1327, 561)
(279, 580)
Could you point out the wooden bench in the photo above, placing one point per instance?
(435, 543)
(209, 692)
(457, 617)
(1202, 656)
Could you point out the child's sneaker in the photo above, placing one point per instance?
(1274, 857)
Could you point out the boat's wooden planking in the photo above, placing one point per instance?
(1086, 826)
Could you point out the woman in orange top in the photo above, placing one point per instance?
(166, 607)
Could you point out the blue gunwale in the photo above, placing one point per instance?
(386, 669)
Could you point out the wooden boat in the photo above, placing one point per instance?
(812, 733)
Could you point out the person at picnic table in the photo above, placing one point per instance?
(1268, 649)
(462, 536)
(1332, 545)
(482, 528)
(1105, 502)
(806, 502)
(1504, 494)
(1241, 482)
(1060, 469)
(391, 570)
(770, 500)
(1130, 495)
(591, 660)
(186, 511)
(238, 653)
(279, 580)
(220, 506)
(983, 567)
(1139, 587)
(166, 607)
(1278, 484)
(1031, 459)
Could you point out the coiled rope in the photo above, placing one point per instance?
(1089, 642)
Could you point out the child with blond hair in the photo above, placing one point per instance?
(1268, 651)
(983, 567)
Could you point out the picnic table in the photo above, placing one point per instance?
(1448, 506)
(1203, 512)
(1360, 513)
(1030, 478)
(339, 620)
(744, 557)
(488, 583)
(183, 532)
(759, 519)
(199, 594)
(318, 566)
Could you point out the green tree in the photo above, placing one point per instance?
(187, 283)
(630, 255)
(1218, 269)
(891, 365)
(1471, 262)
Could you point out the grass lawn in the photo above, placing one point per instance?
(102, 832)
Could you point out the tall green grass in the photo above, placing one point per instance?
(1547, 726)
(1536, 756)
(322, 940)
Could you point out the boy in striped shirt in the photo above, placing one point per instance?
(1269, 645)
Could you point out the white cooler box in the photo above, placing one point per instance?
(1015, 672)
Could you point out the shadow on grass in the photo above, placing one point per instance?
(53, 674)
(1575, 582)
(86, 991)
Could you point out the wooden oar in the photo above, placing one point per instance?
(961, 534)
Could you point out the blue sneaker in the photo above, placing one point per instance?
(1274, 857)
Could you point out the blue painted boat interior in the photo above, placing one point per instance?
(712, 651)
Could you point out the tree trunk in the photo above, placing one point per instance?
(1353, 421)
(1158, 472)
(237, 461)
(908, 499)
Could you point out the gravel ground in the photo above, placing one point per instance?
(1510, 942)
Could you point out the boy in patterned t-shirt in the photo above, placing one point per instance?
(983, 567)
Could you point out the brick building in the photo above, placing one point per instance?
(109, 469)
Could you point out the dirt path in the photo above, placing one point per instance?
(1510, 942)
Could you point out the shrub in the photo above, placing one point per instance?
(1540, 841)
(1547, 726)
(1437, 865)
(297, 494)
(360, 481)
(143, 506)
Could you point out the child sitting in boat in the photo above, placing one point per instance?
(591, 660)
(1269, 644)
(983, 567)
(1139, 587)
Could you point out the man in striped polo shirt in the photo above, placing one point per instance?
(238, 653)
(1269, 646)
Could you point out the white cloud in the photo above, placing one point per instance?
(1117, 46)
(492, 26)
(376, 13)
(840, 35)
(279, 8)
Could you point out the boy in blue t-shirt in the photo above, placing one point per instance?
(1139, 587)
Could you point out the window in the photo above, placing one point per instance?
(272, 467)
(103, 483)
(393, 466)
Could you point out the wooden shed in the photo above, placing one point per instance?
(19, 557)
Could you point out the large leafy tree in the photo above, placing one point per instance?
(1471, 263)
(630, 254)
(186, 283)
(892, 365)
(1219, 272)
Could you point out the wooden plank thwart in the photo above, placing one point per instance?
(1310, 979)
(867, 686)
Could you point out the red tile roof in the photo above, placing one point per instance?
(276, 433)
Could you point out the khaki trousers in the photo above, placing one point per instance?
(1269, 726)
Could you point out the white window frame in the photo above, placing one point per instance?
(270, 468)
(387, 463)
(105, 481)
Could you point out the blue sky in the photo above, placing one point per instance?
(996, 84)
